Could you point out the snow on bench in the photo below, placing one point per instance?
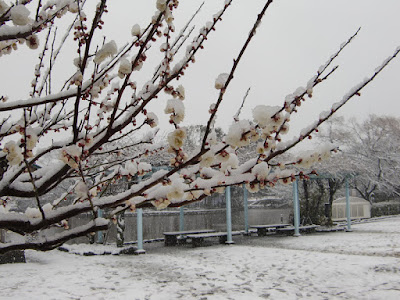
(262, 229)
(198, 239)
(171, 238)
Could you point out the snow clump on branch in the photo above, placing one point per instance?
(109, 49)
(240, 133)
(268, 118)
(261, 171)
(3, 7)
(19, 15)
(221, 81)
(125, 67)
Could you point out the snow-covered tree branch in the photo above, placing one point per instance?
(92, 121)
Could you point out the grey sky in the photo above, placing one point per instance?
(295, 38)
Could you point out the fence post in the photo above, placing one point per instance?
(139, 227)
(246, 210)
(181, 219)
(228, 215)
(296, 207)
(348, 209)
(100, 237)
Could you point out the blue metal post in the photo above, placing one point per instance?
(181, 219)
(296, 207)
(348, 209)
(100, 238)
(246, 210)
(228, 215)
(139, 223)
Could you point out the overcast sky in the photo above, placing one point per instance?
(295, 38)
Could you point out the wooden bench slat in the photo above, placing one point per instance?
(211, 234)
(185, 232)
(269, 226)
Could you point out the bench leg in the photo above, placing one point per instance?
(170, 240)
(181, 240)
(261, 231)
(197, 242)
(223, 239)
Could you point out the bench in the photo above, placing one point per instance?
(171, 238)
(262, 229)
(198, 238)
(290, 230)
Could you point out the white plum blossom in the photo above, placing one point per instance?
(176, 138)
(161, 203)
(31, 139)
(207, 160)
(176, 191)
(180, 90)
(109, 49)
(77, 78)
(81, 190)
(14, 155)
(231, 163)
(221, 81)
(152, 119)
(169, 18)
(77, 62)
(285, 176)
(125, 67)
(252, 187)
(136, 31)
(71, 156)
(176, 108)
(309, 158)
(260, 148)
(32, 41)
(212, 138)
(73, 7)
(20, 15)
(161, 5)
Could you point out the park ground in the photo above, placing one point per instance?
(362, 264)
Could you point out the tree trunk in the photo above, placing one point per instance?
(120, 229)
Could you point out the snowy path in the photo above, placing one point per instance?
(363, 264)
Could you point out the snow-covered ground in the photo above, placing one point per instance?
(363, 264)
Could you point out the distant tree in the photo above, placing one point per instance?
(376, 144)
(369, 150)
(79, 113)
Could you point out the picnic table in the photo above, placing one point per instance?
(262, 229)
(171, 238)
(198, 238)
(290, 230)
